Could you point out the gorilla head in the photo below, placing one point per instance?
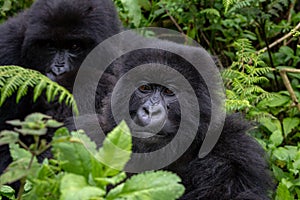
(54, 36)
(162, 91)
(60, 33)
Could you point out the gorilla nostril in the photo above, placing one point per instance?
(146, 110)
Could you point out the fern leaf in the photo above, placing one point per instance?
(15, 78)
(211, 11)
(227, 4)
(50, 92)
(39, 89)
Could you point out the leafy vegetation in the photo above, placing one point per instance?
(256, 44)
(78, 170)
(17, 79)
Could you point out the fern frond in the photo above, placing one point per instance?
(237, 105)
(227, 4)
(211, 11)
(277, 6)
(17, 79)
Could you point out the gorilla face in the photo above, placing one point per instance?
(57, 57)
(156, 112)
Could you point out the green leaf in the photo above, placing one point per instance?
(134, 11)
(74, 156)
(19, 167)
(282, 193)
(289, 124)
(75, 187)
(271, 124)
(7, 191)
(278, 173)
(116, 150)
(160, 185)
(281, 154)
(53, 124)
(7, 137)
(36, 117)
(111, 180)
(27, 131)
(276, 138)
(276, 100)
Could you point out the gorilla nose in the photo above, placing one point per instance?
(151, 116)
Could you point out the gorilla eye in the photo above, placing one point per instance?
(145, 88)
(75, 47)
(168, 92)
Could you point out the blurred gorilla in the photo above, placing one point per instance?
(52, 37)
(235, 168)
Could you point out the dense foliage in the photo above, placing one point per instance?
(256, 45)
(78, 170)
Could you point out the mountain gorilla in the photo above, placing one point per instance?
(52, 37)
(161, 103)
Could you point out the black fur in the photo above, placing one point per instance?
(236, 167)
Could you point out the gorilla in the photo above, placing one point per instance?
(52, 37)
(155, 102)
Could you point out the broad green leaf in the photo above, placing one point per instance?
(74, 156)
(276, 100)
(7, 137)
(7, 191)
(19, 167)
(271, 124)
(278, 173)
(276, 138)
(289, 124)
(116, 150)
(282, 193)
(75, 187)
(281, 154)
(160, 185)
(18, 153)
(296, 164)
(6, 5)
(36, 117)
